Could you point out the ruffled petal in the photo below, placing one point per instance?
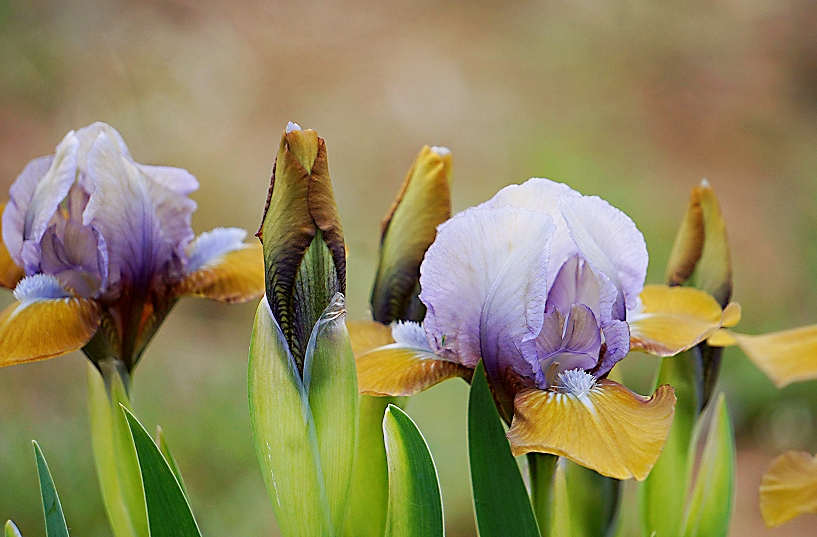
(47, 321)
(10, 272)
(785, 357)
(401, 371)
(368, 335)
(789, 488)
(609, 428)
(617, 345)
(673, 319)
(610, 241)
(178, 180)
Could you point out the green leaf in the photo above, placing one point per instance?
(712, 499)
(369, 494)
(594, 501)
(54, 519)
(415, 503)
(11, 530)
(117, 467)
(541, 467)
(501, 502)
(330, 379)
(663, 493)
(171, 460)
(169, 514)
(561, 523)
(284, 431)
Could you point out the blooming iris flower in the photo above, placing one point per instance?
(95, 243)
(546, 287)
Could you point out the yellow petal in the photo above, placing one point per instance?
(673, 319)
(722, 338)
(786, 356)
(788, 488)
(236, 276)
(39, 329)
(731, 314)
(368, 335)
(10, 273)
(610, 429)
(398, 370)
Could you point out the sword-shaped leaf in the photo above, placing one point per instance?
(54, 519)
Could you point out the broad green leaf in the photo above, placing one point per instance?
(541, 467)
(663, 493)
(169, 514)
(501, 502)
(284, 431)
(594, 501)
(369, 494)
(54, 519)
(330, 380)
(11, 530)
(561, 523)
(117, 467)
(415, 503)
(171, 460)
(712, 499)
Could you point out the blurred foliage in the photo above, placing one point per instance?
(635, 101)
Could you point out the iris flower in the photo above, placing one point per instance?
(98, 248)
(546, 287)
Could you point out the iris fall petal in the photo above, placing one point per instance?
(368, 335)
(788, 488)
(609, 429)
(673, 319)
(401, 371)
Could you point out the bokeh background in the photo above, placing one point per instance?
(635, 101)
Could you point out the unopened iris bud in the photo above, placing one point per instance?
(409, 228)
(304, 254)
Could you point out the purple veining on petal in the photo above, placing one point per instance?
(70, 251)
(617, 341)
(211, 245)
(20, 194)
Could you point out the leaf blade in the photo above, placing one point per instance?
(52, 508)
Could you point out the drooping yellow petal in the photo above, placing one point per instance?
(401, 371)
(39, 329)
(722, 338)
(609, 429)
(10, 273)
(236, 276)
(786, 356)
(368, 335)
(789, 488)
(674, 319)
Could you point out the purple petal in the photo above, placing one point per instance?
(178, 180)
(617, 340)
(611, 243)
(483, 282)
(211, 245)
(21, 193)
(73, 253)
(578, 347)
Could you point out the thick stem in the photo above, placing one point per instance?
(541, 467)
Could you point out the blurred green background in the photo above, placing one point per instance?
(635, 101)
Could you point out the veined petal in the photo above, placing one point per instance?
(789, 488)
(610, 241)
(10, 272)
(14, 214)
(221, 267)
(46, 321)
(673, 319)
(785, 357)
(608, 428)
(401, 371)
(368, 335)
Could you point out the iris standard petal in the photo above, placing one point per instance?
(604, 427)
(483, 284)
(610, 241)
(670, 320)
(785, 357)
(14, 214)
(10, 272)
(565, 343)
(46, 321)
(789, 488)
(221, 267)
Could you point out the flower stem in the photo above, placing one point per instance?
(541, 467)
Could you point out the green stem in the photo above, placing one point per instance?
(541, 467)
